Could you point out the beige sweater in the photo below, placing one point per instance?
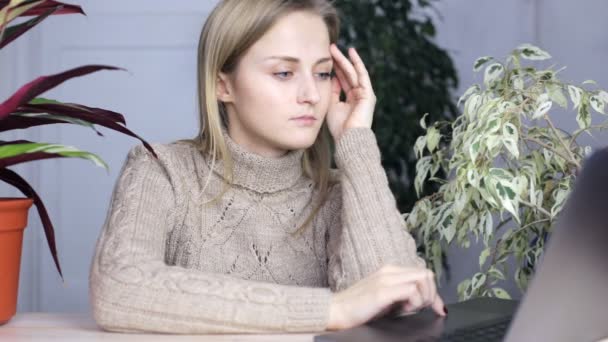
(164, 262)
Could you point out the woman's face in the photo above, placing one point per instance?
(283, 76)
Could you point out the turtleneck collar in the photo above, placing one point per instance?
(259, 173)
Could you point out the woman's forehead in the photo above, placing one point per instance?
(299, 35)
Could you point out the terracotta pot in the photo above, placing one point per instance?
(13, 219)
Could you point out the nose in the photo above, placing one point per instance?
(308, 92)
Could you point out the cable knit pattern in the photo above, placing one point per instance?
(167, 262)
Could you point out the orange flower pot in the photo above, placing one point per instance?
(13, 219)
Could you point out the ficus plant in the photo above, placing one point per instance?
(25, 108)
(509, 168)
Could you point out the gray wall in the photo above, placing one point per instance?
(156, 41)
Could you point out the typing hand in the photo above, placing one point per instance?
(391, 288)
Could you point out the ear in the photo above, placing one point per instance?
(224, 88)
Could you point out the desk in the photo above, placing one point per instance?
(38, 326)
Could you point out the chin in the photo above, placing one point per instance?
(300, 141)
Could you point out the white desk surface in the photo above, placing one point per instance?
(39, 326)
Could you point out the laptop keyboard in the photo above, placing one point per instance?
(489, 332)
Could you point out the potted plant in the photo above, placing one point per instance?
(509, 169)
(25, 109)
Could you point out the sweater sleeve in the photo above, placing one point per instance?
(366, 230)
(132, 289)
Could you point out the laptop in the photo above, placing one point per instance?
(567, 300)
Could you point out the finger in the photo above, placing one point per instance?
(415, 301)
(425, 291)
(404, 276)
(343, 80)
(400, 293)
(439, 306)
(346, 66)
(433, 287)
(362, 73)
(336, 89)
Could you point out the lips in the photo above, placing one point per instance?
(305, 117)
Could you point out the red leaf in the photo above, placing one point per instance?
(16, 31)
(15, 180)
(38, 86)
(98, 116)
(46, 5)
(61, 8)
(22, 122)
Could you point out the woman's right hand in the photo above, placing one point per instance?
(373, 296)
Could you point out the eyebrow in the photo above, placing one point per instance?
(296, 60)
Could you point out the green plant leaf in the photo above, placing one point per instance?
(556, 94)
(493, 73)
(488, 226)
(480, 62)
(14, 150)
(560, 196)
(500, 293)
(597, 104)
(496, 273)
(479, 279)
(531, 52)
(423, 121)
(432, 138)
(484, 256)
(576, 95)
(419, 146)
(474, 148)
(542, 109)
(521, 278)
(471, 106)
(510, 139)
(422, 169)
(462, 289)
(583, 118)
(470, 91)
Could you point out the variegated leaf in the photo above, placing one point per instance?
(480, 62)
(576, 95)
(432, 138)
(531, 52)
(500, 293)
(484, 256)
(597, 104)
(472, 90)
(542, 109)
(493, 73)
(557, 95)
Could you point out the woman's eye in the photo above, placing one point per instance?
(283, 74)
(325, 75)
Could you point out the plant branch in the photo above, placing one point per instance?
(531, 224)
(561, 140)
(567, 158)
(542, 210)
(503, 223)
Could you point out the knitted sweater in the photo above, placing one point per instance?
(167, 262)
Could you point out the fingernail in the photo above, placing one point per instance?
(445, 309)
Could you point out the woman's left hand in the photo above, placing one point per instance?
(353, 79)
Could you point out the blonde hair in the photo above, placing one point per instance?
(229, 31)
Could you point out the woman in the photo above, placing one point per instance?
(245, 228)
